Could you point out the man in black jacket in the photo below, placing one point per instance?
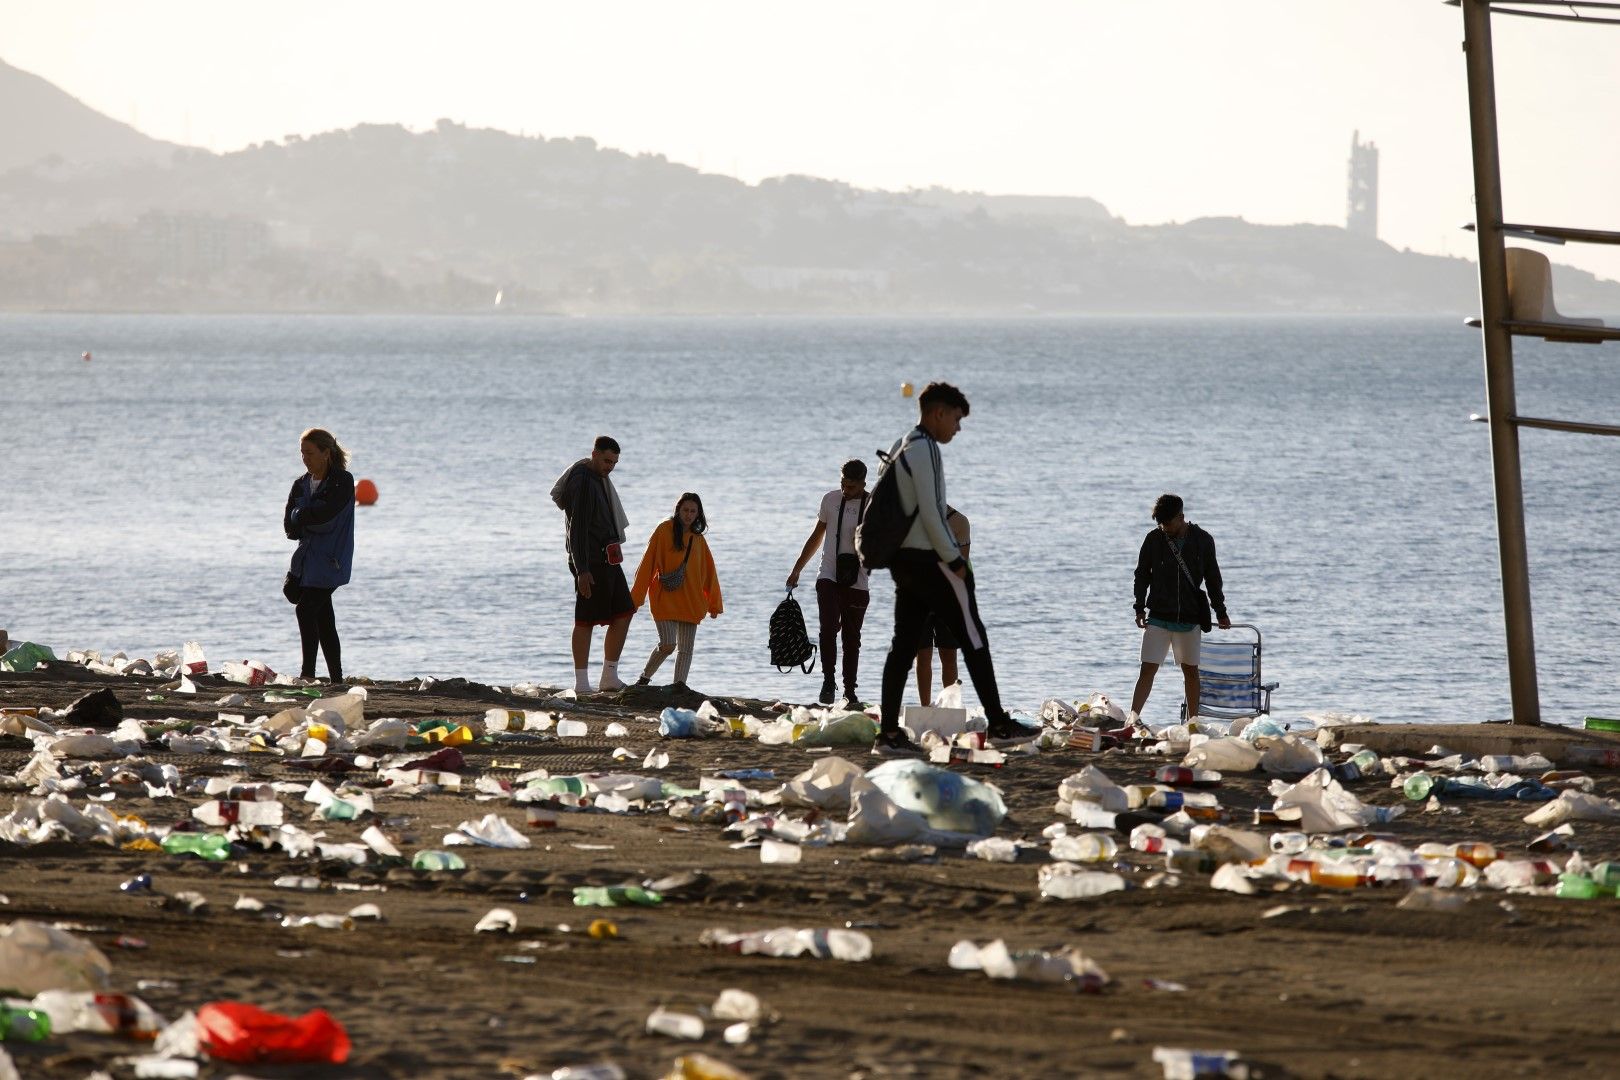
(1176, 558)
(596, 529)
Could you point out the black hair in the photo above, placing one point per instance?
(854, 469)
(942, 393)
(1166, 508)
(700, 524)
(605, 442)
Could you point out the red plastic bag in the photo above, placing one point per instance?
(232, 1031)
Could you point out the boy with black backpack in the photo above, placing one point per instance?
(841, 589)
(905, 530)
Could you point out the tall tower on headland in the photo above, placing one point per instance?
(1362, 218)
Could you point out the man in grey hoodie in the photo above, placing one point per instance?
(931, 577)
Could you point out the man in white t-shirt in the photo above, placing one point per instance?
(841, 590)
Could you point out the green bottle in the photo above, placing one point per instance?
(211, 846)
(1420, 784)
(438, 860)
(24, 1025)
(1576, 887)
(615, 896)
(1607, 875)
(559, 785)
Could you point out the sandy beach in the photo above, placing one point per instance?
(1305, 981)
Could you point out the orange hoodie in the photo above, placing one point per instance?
(699, 594)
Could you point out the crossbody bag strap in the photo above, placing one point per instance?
(838, 533)
(1184, 571)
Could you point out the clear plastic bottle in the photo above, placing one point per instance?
(1419, 785)
(101, 1014)
(1073, 884)
(1086, 847)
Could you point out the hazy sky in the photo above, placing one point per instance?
(1164, 111)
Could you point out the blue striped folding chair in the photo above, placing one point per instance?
(1229, 680)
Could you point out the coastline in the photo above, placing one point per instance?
(1305, 981)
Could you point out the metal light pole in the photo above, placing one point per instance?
(1499, 395)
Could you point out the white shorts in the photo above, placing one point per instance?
(1156, 641)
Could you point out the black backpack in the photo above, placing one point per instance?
(790, 643)
(881, 532)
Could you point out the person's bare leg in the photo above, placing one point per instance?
(948, 675)
(1189, 677)
(925, 675)
(582, 644)
(613, 642)
(1144, 686)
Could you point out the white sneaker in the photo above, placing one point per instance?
(583, 686)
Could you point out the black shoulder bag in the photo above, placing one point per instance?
(1204, 621)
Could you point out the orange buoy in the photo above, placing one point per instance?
(84, 355)
(365, 493)
(905, 389)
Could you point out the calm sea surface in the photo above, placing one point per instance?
(1331, 459)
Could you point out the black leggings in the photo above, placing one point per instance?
(318, 626)
(923, 587)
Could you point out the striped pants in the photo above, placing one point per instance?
(673, 636)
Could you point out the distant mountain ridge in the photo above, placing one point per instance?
(380, 218)
(40, 121)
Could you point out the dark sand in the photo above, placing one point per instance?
(1346, 985)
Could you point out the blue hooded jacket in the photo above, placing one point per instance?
(323, 525)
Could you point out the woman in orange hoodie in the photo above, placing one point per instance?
(678, 571)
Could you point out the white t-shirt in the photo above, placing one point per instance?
(833, 542)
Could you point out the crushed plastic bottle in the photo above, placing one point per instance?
(848, 945)
(1181, 776)
(210, 846)
(1086, 847)
(1066, 881)
(615, 896)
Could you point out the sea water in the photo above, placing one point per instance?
(1332, 460)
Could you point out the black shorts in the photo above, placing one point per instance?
(609, 600)
(940, 634)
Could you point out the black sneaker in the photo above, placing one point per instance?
(643, 681)
(849, 696)
(896, 743)
(829, 691)
(1005, 731)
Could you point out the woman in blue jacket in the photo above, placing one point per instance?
(320, 516)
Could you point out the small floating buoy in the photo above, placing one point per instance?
(85, 356)
(905, 389)
(365, 493)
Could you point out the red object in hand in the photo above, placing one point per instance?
(232, 1031)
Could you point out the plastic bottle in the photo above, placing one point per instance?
(558, 785)
(210, 846)
(1607, 875)
(1078, 885)
(572, 729)
(24, 1024)
(606, 1070)
(1578, 887)
(1181, 776)
(1420, 784)
(101, 1014)
(235, 812)
(1087, 847)
(615, 896)
(1475, 853)
(1181, 800)
(1289, 843)
(675, 1025)
(437, 860)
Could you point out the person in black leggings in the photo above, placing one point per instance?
(320, 516)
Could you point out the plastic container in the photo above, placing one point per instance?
(1086, 847)
(235, 812)
(192, 660)
(572, 729)
(101, 1014)
(210, 846)
(775, 851)
(675, 1025)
